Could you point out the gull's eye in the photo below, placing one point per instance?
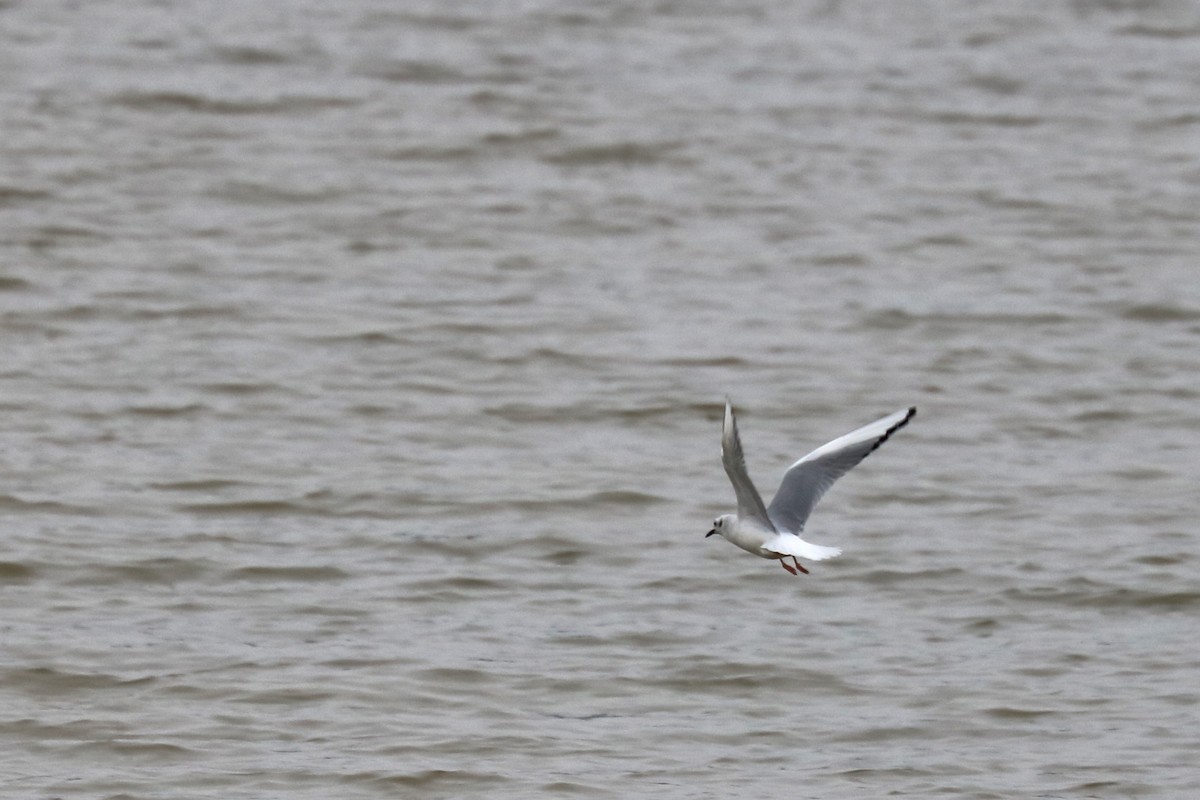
(717, 522)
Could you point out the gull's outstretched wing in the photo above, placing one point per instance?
(750, 505)
(809, 478)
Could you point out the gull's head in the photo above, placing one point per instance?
(722, 525)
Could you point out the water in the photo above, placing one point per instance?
(362, 369)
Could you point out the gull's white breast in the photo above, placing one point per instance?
(750, 536)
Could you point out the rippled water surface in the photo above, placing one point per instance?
(361, 369)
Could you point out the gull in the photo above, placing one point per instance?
(773, 531)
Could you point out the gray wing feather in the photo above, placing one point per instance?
(808, 479)
(750, 504)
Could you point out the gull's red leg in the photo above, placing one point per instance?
(799, 566)
(786, 566)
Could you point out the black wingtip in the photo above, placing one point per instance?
(912, 412)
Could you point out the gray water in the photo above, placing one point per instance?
(361, 370)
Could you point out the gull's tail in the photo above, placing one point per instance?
(789, 544)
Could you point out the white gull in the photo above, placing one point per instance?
(772, 531)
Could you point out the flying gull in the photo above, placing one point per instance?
(773, 531)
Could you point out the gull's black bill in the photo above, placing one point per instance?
(710, 533)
